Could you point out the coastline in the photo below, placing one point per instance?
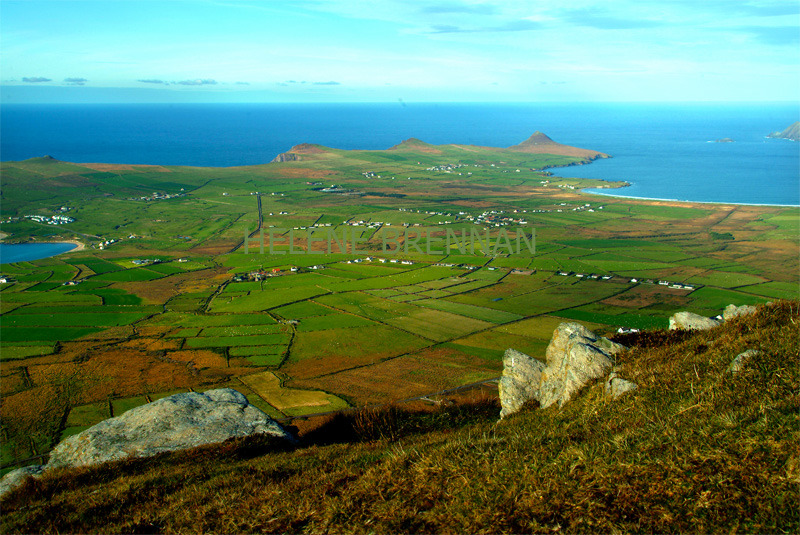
(79, 245)
(590, 191)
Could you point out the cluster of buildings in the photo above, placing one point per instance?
(381, 260)
(261, 274)
(105, 243)
(568, 208)
(585, 275)
(369, 224)
(547, 183)
(57, 219)
(447, 168)
(668, 284)
(497, 218)
(460, 266)
(157, 196)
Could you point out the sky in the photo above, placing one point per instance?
(399, 50)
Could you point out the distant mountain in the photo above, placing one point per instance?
(792, 132)
(540, 143)
(418, 145)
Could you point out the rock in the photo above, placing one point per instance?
(732, 311)
(691, 321)
(520, 381)
(616, 386)
(575, 356)
(176, 422)
(285, 157)
(17, 477)
(738, 363)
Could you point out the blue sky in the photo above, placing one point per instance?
(412, 50)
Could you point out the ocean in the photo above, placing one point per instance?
(664, 150)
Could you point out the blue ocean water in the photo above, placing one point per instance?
(663, 150)
(23, 252)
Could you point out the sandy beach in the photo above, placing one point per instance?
(80, 245)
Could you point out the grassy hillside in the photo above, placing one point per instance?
(694, 449)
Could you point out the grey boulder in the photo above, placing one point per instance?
(519, 382)
(691, 321)
(574, 356)
(17, 477)
(617, 386)
(738, 363)
(732, 311)
(176, 422)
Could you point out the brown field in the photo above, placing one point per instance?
(214, 247)
(268, 386)
(641, 296)
(112, 168)
(151, 344)
(426, 372)
(161, 290)
(299, 172)
(90, 371)
(329, 351)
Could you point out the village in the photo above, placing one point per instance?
(57, 219)
(668, 284)
(157, 196)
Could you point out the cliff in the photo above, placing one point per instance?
(294, 154)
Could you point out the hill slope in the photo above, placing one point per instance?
(791, 132)
(540, 143)
(694, 449)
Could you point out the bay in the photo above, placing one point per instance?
(24, 252)
(663, 150)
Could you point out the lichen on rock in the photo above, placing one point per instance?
(520, 381)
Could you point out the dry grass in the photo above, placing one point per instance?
(694, 449)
